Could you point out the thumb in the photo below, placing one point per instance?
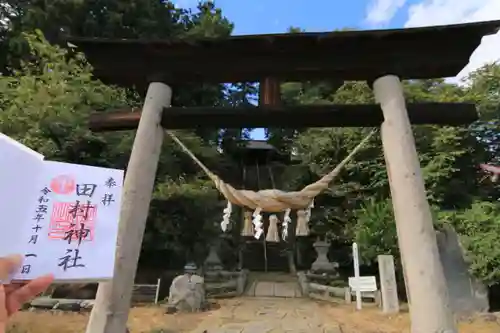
(8, 266)
(3, 309)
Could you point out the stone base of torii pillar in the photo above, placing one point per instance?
(429, 302)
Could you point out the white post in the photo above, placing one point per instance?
(157, 294)
(112, 306)
(429, 307)
(355, 257)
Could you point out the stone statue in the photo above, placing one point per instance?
(187, 292)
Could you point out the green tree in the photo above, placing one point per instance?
(484, 90)
(46, 102)
(479, 230)
(375, 230)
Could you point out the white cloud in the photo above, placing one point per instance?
(382, 11)
(185, 3)
(439, 12)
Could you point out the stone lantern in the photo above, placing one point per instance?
(322, 264)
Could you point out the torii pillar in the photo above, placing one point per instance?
(111, 309)
(429, 302)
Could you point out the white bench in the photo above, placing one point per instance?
(367, 286)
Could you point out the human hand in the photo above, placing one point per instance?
(13, 296)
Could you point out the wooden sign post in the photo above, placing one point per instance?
(355, 258)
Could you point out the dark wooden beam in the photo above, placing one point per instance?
(269, 92)
(116, 120)
(416, 53)
(365, 115)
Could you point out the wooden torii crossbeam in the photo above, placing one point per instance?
(356, 115)
(416, 53)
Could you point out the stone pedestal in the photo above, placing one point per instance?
(322, 264)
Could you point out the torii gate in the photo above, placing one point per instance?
(382, 57)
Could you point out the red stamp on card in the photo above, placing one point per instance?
(71, 218)
(63, 184)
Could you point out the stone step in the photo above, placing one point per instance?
(273, 289)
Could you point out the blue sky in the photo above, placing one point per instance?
(276, 16)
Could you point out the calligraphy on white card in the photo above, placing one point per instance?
(73, 225)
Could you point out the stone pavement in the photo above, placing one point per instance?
(268, 315)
